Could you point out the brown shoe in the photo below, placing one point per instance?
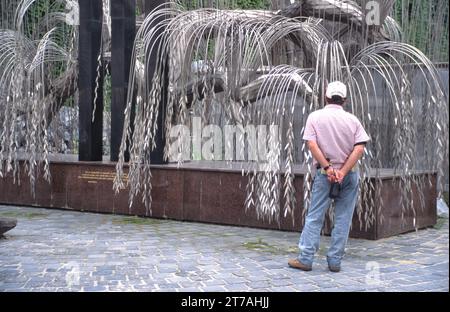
(333, 268)
(295, 263)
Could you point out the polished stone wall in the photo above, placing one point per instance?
(202, 194)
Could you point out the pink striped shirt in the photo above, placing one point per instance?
(336, 133)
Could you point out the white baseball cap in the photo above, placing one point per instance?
(336, 88)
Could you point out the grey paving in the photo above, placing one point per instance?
(57, 250)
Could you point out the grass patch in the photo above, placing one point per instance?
(136, 221)
(24, 215)
(258, 245)
(263, 246)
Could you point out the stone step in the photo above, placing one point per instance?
(7, 224)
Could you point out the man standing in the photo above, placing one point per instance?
(337, 141)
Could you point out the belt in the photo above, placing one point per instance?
(354, 169)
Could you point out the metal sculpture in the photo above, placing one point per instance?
(37, 74)
(253, 67)
(244, 69)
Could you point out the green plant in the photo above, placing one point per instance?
(440, 222)
(136, 221)
(252, 4)
(260, 245)
(25, 215)
(445, 195)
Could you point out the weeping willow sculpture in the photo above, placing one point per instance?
(37, 74)
(256, 66)
(251, 66)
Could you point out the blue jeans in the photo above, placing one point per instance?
(320, 202)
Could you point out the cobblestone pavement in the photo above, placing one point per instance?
(55, 250)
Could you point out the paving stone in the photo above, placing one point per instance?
(214, 282)
(237, 287)
(259, 284)
(307, 288)
(188, 289)
(90, 252)
(169, 286)
(281, 282)
(282, 289)
(235, 280)
(213, 288)
(94, 288)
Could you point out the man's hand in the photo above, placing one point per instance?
(356, 154)
(331, 173)
(340, 175)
